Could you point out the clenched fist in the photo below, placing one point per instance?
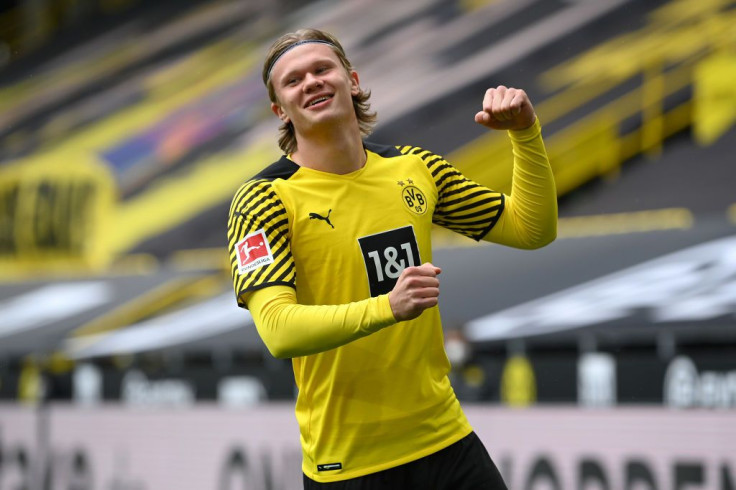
(506, 108)
(416, 289)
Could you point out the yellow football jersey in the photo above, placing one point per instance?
(384, 399)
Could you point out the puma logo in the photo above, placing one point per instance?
(326, 219)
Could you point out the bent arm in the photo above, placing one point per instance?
(292, 330)
(529, 219)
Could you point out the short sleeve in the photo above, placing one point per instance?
(258, 240)
(462, 206)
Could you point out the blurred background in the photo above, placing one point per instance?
(126, 126)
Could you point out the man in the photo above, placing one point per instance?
(345, 285)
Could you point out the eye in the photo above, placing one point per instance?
(321, 69)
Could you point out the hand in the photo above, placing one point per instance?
(506, 108)
(416, 290)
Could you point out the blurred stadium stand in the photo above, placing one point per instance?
(126, 127)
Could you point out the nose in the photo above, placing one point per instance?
(311, 82)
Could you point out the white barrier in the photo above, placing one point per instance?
(623, 448)
(18, 446)
(208, 447)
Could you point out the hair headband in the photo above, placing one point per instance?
(298, 43)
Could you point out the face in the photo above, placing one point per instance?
(313, 88)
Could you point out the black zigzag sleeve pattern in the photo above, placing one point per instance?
(463, 206)
(257, 207)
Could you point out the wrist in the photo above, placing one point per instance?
(525, 134)
(387, 307)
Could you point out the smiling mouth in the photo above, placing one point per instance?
(319, 101)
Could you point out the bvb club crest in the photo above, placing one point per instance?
(413, 198)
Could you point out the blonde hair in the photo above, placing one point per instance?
(287, 136)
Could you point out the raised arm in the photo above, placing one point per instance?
(529, 219)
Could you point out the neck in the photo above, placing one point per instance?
(339, 150)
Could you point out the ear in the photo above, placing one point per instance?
(276, 109)
(354, 83)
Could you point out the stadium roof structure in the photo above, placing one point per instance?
(122, 314)
(635, 289)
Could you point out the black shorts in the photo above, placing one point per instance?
(465, 465)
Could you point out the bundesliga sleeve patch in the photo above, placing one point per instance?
(253, 252)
